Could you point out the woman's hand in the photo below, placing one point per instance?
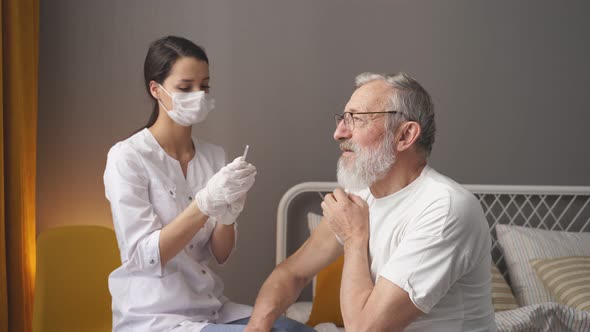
(226, 187)
(233, 211)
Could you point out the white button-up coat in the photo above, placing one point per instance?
(147, 190)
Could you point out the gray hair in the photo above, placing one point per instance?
(411, 100)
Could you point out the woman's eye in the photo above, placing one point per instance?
(205, 87)
(185, 89)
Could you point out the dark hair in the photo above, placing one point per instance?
(159, 60)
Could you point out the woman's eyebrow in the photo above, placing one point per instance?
(192, 80)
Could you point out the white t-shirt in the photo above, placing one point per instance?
(147, 190)
(432, 240)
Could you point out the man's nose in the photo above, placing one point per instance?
(342, 132)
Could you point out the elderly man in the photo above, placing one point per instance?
(416, 244)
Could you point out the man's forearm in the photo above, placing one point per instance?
(280, 290)
(356, 281)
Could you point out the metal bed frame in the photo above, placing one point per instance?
(563, 208)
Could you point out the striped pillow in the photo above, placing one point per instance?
(502, 297)
(568, 279)
(520, 245)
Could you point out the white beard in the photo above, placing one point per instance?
(368, 166)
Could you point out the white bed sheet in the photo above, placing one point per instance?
(300, 311)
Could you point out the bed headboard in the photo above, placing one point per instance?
(546, 207)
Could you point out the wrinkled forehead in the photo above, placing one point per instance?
(371, 97)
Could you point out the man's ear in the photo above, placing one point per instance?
(408, 133)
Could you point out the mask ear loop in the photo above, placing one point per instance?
(160, 85)
(166, 108)
(160, 101)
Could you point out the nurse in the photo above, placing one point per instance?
(174, 203)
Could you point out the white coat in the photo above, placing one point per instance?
(147, 190)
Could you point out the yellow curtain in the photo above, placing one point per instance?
(19, 20)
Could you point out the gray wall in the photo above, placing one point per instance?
(509, 80)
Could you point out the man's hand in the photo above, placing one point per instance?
(347, 215)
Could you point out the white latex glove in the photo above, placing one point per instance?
(225, 187)
(233, 211)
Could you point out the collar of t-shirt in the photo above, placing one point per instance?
(400, 195)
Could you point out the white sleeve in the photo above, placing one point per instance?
(136, 224)
(430, 257)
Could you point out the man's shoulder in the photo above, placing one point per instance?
(439, 187)
(449, 202)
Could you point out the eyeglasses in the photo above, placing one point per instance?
(350, 118)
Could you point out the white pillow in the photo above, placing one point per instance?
(313, 220)
(522, 244)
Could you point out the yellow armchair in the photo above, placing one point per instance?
(71, 286)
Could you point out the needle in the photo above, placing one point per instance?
(245, 152)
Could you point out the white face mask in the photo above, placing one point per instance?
(189, 108)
